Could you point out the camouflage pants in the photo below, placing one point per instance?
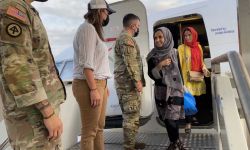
(27, 132)
(130, 103)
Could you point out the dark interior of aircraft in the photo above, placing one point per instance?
(204, 117)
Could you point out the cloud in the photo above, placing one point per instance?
(62, 17)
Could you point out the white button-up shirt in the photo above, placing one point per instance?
(90, 52)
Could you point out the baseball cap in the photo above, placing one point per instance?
(98, 4)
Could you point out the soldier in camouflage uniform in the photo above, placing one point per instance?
(129, 79)
(30, 88)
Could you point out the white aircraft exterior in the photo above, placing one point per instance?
(222, 26)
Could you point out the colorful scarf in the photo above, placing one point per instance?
(196, 60)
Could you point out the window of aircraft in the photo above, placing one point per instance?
(65, 69)
(59, 66)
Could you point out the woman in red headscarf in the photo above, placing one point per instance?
(191, 59)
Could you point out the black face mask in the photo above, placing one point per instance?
(136, 33)
(105, 22)
(41, 0)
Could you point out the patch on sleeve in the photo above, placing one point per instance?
(16, 13)
(14, 30)
(129, 42)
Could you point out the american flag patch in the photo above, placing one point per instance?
(14, 12)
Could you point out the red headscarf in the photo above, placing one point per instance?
(196, 60)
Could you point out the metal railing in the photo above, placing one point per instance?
(241, 79)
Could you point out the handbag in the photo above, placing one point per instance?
(189, 103)
(193, 76)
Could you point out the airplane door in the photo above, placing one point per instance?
(112, 31)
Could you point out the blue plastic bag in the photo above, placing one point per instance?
(189, 104)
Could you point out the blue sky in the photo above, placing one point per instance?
(62, 17)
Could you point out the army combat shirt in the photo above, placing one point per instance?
(128, 67)
(27, 69)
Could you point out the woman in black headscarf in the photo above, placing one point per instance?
(163, 69)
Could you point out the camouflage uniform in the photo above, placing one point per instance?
(128, 70)
(27, 76)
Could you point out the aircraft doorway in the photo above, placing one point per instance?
(204, 117)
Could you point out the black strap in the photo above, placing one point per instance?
(176, 100)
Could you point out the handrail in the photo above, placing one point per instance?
(241, 78)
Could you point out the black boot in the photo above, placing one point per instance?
(178, 145)
(172, 146)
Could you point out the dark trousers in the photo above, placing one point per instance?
(204, 114)
(199, 106)
(189, 119)
(172, 127)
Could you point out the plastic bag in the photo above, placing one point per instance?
(189, 103)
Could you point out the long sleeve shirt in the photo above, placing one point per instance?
(27, 69)
(90, 52)
(128, 64)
